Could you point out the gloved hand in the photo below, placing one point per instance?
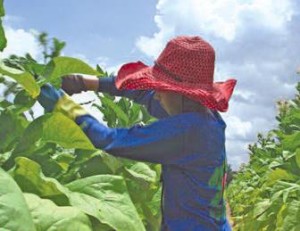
(73, 84)
(56, 100)
(49, 97)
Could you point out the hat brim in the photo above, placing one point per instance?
(138, 76)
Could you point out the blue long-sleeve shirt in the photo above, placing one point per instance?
(191, 148)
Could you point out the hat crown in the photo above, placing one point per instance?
(185, 66)
(188, 59)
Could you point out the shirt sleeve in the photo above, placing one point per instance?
(160, 142)
(143, 97)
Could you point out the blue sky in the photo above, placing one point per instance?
(256, 42)
(95, 28)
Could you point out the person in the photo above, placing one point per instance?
(188, 139)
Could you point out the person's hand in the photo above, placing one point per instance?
(73, 84)
(49, 97)
(56, 100)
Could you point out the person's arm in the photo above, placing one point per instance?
(73, 84)
(159, 142)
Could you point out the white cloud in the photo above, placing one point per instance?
(82, 57)
(238, 128)
(153, 46)
(236, 153)
(271, 13)
(106, 64)
(102, 61)
(20, 42)
(217, 18)
(256, 42)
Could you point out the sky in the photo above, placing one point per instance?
(256, 43)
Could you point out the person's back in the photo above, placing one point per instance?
(193, 183)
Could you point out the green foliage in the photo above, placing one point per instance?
(61, 66)
(68, 184)
(30, 74)
(105, 197)
(139, 177)
(14, 213)
(2, 12)
(46, 215)
(22, 77)
(30, 178)
(25, 70)
(12, 127)
(50, 50)
(264, 194)
(3, 41)
(55, 179)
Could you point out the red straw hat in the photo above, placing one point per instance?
(185, 66)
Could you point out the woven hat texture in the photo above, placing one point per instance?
(186, 66)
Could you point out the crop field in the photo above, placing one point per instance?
(52, 177)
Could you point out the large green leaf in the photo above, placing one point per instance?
(3, 40)
(61, 66)
(105, 197)
(261, 207)
(30, 142)
(142, 171)
(136, 115)
(22, 77)
(59, 129)
(2, 35)
(53, 128)
(111, 105)
(114, 163)
(14, 213)
(12, 126)
(29, 176)
(140, 178)
(292, 119)
(155, 203)
(279, 174)
(94, 166)
(98, 226)
(298, 157)
(290, 217)
(48, 216)
(291, 142)
(152, 211)
(23, 102)
(2, 11)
